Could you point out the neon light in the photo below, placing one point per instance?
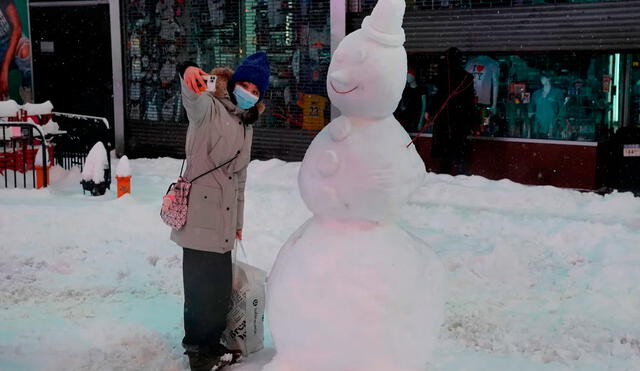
(610, 93)
(616, 83)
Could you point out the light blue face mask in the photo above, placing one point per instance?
(245, 99)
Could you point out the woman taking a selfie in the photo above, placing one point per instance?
(218, 137)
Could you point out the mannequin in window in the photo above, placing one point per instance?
(545, 108)
(413, 105)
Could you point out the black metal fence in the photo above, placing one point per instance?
(19, 145)
(66, 147)
(82, 132)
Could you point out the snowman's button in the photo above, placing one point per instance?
(340, 129)
(328, 163)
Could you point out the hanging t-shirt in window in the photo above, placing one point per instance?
(485, 73)
(313, 107)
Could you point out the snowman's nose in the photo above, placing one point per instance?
(339, 76)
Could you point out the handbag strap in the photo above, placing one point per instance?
(216, 168)
(239, 245)
(182, 167)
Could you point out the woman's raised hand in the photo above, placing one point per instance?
(194, 80)
(261, 107)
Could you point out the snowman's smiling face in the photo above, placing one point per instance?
(365, 78)
(341, 92)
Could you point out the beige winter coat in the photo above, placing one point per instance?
(216, 201)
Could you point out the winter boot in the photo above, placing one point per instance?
(226, 357)
(202, 360)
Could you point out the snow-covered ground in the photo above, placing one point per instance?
(540, 278)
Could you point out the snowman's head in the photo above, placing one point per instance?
(368, 70)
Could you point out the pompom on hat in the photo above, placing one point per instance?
(255, 69)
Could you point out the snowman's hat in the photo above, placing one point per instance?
(384, 25)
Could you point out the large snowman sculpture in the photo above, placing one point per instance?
(350, 290)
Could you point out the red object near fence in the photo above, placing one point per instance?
(22, 158)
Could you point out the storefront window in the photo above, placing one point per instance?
(214, 33)
(161, 35)
(561, 96)
(296, 35)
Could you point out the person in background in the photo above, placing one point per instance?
(219, 134)
(413, 105)
(453, 109)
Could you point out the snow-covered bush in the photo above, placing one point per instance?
(95, 164)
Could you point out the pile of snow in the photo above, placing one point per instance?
(36, 109)
(50, 127)
(9, 108)
(539, 278)
(123, 169)
(95, 164)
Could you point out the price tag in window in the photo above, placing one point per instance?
(631, 150)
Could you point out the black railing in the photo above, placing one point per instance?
(19, 144)
(82, 132)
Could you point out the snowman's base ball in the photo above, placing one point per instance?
(357, 297)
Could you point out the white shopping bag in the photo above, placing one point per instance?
(245, 330)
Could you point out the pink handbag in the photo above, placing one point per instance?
(175, 203)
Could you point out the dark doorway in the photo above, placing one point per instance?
(72, 57)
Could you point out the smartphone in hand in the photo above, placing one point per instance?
(210, 81)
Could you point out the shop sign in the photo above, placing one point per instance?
(606, 83)
(631, 150)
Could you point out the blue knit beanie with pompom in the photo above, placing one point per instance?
(254, 68)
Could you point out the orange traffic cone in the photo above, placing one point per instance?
(40, 176)
(124, 185)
